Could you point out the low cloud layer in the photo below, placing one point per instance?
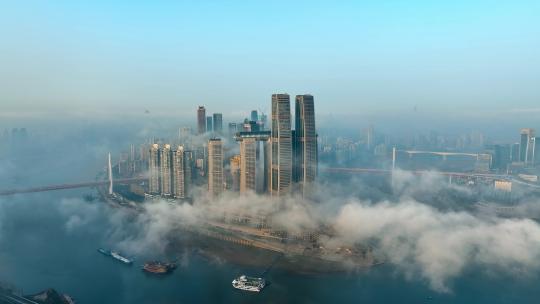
(423, 242)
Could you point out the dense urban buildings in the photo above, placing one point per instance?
(268, 161)
(285, 158)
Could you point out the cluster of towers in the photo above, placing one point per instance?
(212, 123)
(170, 171)
(276, 161)
(287, 160)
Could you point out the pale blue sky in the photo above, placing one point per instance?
(354, 56)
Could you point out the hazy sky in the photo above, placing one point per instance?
(355, 57)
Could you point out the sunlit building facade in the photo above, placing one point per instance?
(215, 166)
(153, 169)
(281, 156)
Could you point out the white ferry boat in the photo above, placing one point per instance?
(249, 283)
(121, 258)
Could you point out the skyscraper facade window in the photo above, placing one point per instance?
(215, 166)
(153, 168)
(305, 141)
(281, 156)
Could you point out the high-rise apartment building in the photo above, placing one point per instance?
(527, 146)
(209, 125)
(305, 141)
(201, 120)
(248, 163)
(215, 166)
(165, 169)
(254, 115)
(181, 173)
(153, 169)
(281, 156)
(218, 123)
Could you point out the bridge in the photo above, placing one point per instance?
(71, 186)
(109, 182)
(328, 170)
(415, 172)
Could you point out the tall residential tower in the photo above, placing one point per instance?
(305, 142)
(281, 146)
(215, 166)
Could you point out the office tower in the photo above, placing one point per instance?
(281, 157)
(527, 146)
(180, 173)
(209, 127)
(165, 169)
(201, 120)
(215, 166)
(254, 115)
(153, 169)
(218, 123)
(501, 157)
(306, 141)
(248, 162)
(235, 173)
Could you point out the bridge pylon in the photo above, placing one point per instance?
(109, 171)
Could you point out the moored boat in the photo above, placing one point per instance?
(244, 282)
(157, 267)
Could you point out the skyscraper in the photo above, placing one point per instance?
(153, 169)
(180, 175)
(306, 141)
(215, 166)
(281, 156)
(165, 169)
(218, 123)
(527, 146)
(248, 162)
(209, 126)
(254, 116)
(201, 120)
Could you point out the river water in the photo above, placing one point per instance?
(45, 243)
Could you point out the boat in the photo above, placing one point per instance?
(121, 258)
(157, 267)
(244, 282)
(104, 252)
(115, 255)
